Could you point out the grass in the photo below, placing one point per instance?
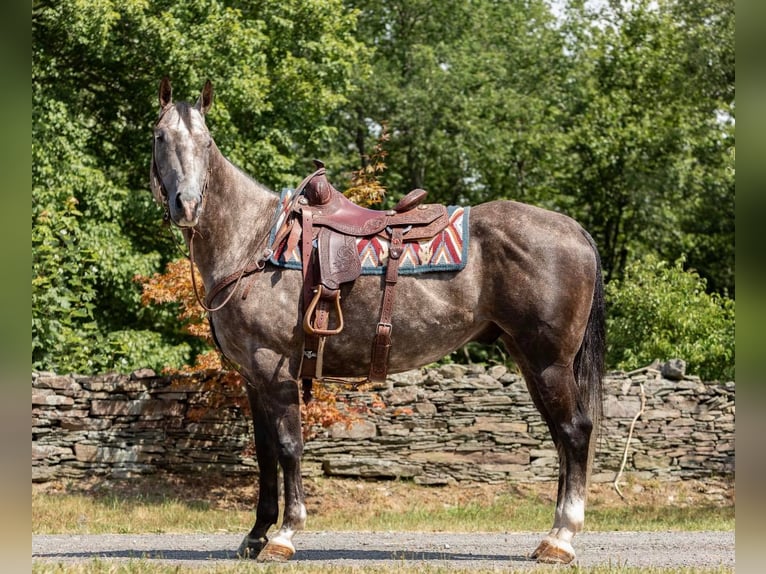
(80, 514)
(160, 507)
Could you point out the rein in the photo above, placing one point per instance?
(249, 268)
(235, 277)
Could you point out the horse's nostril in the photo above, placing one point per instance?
(179, 203)
(188, 207)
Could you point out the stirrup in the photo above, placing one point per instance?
(312, 329)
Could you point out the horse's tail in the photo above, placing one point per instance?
(589, 361)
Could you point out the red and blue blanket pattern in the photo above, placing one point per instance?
(448, 251)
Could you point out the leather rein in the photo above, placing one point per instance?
(249, 268)
(236, 277)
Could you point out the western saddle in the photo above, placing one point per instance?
(326, 224)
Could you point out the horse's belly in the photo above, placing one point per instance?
(430, 320)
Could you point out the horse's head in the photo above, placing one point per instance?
(181, 155)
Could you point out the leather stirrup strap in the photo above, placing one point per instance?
(307, 252)
(316, 320)
(310, 343)
(317, 305)
(381, 343)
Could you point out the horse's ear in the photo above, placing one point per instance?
(166, 92)
(205, 100)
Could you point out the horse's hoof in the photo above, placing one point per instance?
(250, 548)
(553, 551)
(276, 552)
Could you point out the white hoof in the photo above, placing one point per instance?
(277, 550)
(554, 551)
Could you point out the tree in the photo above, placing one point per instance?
(659, 311)
(708, 223)
(651, 133)
(470, 93)
(279, 69)
(621, 117)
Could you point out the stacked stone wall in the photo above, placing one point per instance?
(434, 426)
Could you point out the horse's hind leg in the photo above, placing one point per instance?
(556, 396)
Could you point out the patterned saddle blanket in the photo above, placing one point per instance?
(447, 251)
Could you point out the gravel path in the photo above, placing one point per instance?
(455, 550)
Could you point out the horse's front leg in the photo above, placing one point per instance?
(280, 546)
(279, 438)
(290, 449)
(267, 511)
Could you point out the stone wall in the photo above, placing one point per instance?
(439, 425)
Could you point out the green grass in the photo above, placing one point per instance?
(143, 566)
(510, 513)
(81, 514)
(643, 518)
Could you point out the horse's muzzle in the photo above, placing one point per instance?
(186, 212)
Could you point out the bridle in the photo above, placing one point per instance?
(250, 266)
(163, 192)
(161, 185)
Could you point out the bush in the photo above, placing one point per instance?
(660, 311)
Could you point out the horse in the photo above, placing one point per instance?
(533, 280)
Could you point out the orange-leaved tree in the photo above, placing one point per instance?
(365, 187)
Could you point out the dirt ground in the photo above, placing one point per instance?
(331, 494)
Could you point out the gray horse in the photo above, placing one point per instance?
(533, 280)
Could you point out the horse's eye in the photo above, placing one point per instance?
(159, 136)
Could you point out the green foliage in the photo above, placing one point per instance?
(82, 265)
(622, 118)
(650, 142)
(660, 311)
(470, 92)
(279, 67)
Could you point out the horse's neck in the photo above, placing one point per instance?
(235, 222)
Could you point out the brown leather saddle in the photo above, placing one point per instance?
(326, 224)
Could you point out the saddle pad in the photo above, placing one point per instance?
(447, 251)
